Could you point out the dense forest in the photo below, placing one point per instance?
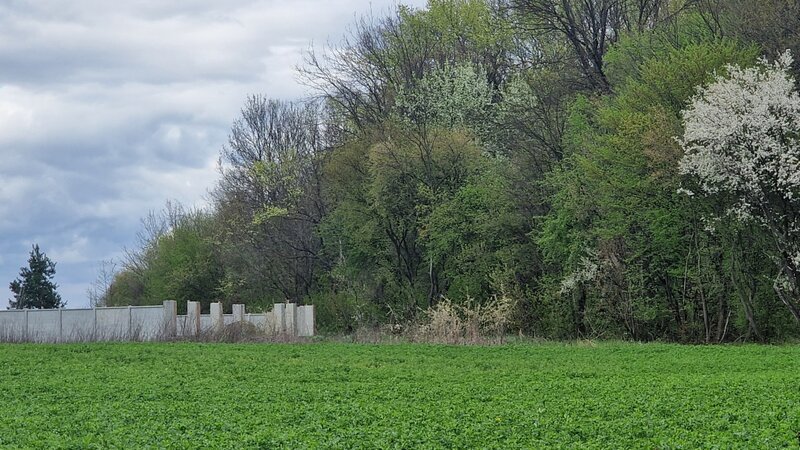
(613, 168)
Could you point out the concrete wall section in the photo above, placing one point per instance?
(192, 324)
(217, 318)
(259, 320)
(146, 322)
(12, 325)
(205, 323)
(279, 315)
(113, 324)
(44, 325)
(77, 325)
(170, 318)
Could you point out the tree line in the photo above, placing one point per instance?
(569, 155)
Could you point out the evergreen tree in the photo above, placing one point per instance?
(35, 288)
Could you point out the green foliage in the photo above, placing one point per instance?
(35, 289)
(471, 235)
(416, 218)
(473, 149)
(127, 288)
(343, 311)
(184, 267)
(268, 202)
(619, 233)
(284, 177)
(625, 60)
(398, 396)
(470, 31)
(181, 265)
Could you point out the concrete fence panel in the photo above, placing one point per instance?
(259, 320)
(205, 323)
(44, 325)
(13, 325)
(170, 318)
(193, 315)
(113, 324)
(147, 323)
(77, 325)
(217, 318)
(237, 312)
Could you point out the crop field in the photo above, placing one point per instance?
(327, 395)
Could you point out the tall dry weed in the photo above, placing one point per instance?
(468, 323)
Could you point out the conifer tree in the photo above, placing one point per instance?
(35, 289)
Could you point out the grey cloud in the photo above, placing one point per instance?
(108, 109)
(160, 42)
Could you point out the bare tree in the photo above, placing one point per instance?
(589, 26)
(381, 56)
(774, 25)
(154, 225)
(100, 288)
(270, 195)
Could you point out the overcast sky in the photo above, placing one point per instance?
(109, 108)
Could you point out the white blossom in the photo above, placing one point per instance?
(587, 270)
(451, 96)
(710, 224)
(742, 144)
(741, 132)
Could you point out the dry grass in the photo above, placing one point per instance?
(14, 335)
(447, 322)
(467, 323)
(243, 332)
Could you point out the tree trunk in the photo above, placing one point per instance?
(580, 312)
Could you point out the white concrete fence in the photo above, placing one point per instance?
(147, 323)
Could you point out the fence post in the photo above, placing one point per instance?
(130, 322)
(60, 324)
(217, 319)
(306, 324)
(278, 310)
(170, 318)
(238, 313)
(193, 318)
(95, 337)
(26, 326)
(291, 319)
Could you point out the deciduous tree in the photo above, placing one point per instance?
(742, 144)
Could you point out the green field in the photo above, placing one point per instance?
(329, 395)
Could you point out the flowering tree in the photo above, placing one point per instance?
(742, 143)
(452, 96)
